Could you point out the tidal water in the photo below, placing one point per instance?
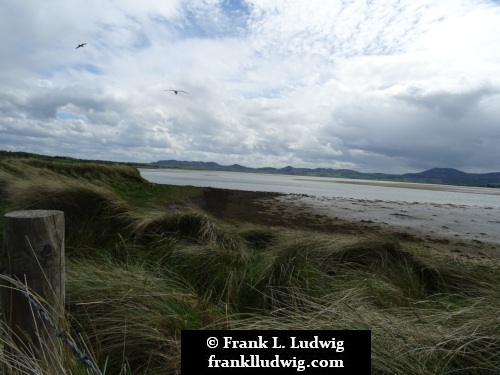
(329, 187)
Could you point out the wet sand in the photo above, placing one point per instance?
(447, 220)
(465, 233)
(422, 186)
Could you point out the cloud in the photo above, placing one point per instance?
(449, 103)
(389, 86)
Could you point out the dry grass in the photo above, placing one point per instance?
(137, 277)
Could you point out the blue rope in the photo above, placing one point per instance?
(84, 358)
(62, 334)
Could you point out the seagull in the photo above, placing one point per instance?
(176, 91)
(80, 45)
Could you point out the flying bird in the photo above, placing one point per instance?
(80, 45)
(176, 91)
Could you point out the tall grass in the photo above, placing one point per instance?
(42, 351)
(137, 276)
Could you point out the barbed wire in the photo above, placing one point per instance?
(61, 333)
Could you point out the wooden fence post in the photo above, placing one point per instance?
(33, 254)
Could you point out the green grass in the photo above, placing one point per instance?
(140, 269)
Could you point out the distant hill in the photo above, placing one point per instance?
(446, 176)
(455, 177)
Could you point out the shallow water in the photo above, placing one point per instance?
(328, 187)
(480, 223)
(450, 211)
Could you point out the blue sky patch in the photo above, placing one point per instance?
(69, 116)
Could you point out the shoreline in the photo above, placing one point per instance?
(423, 186)
(463, 233)
(465, 222)
(448, 231)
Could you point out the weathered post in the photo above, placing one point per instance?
(33, 254)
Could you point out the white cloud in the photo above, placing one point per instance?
(391, 86)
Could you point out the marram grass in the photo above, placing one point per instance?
(138, 274)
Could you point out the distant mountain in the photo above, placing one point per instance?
(446, 176)
(455, 177)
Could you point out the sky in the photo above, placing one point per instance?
(393, 86)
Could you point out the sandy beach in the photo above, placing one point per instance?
(465, 233)
(421, 186)
(464, 222)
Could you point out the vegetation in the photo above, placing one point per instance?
(145, 262)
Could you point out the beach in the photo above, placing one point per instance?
(479, 224)
(464, 233)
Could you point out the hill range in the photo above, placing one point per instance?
(446, 176)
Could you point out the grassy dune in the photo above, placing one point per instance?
(144, 262)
